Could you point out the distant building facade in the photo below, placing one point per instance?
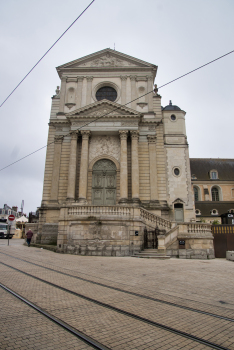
(116, 169)
(213, 187)
(6, 211)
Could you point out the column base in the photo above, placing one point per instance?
(82, 201)
(136, 201)
(123, 201)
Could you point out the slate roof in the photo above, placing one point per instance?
(200, 167)
(206, 207)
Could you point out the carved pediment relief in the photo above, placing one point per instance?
(106, 59)
(103, 108)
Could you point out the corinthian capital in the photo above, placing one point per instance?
(151, 138)
(74, 134)
(123, 77)
(123, 134)
(134, 134)
(58, 139)
(85, 134)
(89, 78)
(133, 77)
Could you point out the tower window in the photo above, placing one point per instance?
(106, 92)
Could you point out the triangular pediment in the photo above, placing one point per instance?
(107, 58)
(105, 109)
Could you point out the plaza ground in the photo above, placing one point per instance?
(143, 287)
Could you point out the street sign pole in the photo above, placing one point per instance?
(11, 218)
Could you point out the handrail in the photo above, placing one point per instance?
(157, 220)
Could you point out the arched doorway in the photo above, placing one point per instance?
(104, 183)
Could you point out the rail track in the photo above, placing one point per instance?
(110, 307)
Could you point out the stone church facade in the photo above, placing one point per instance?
(115, 169)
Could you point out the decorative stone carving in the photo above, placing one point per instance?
(123, 77)
(133, 77)
(89, 78)
(151, 127)
(78, 123)
(101, 145)
(107, 61)
(105, 165)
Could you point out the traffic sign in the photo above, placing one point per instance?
(11, 217)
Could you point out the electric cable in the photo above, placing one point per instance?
(92, 121)
(47, 52)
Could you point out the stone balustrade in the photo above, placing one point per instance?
(154, 219)
(93, 210)
(194, 229)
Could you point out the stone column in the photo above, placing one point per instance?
(84, 166)
(123, 167)
(62, 95)
(135, 166)
(72, 168)
(58, 140)
(133, 91)
(150, 96)
(123, 89)
(153, 167)
(89, 90)
(79, 91)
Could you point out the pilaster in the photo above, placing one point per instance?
(135, 166)
(56, 168)
(123, 89)
(79, 91)
(150, 95)
(133, 91)
(72, 168)
(153, 167)
(123, 167)
(62, 95)
(89, 90)
(84, 166)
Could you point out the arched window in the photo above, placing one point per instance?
(196, 196)
(215, 194)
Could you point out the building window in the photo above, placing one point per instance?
(213, 175)
(231, 211)
(215, 194)
(106, 92)
(173, 117)
(197, 212)
(196, 195)
(176, 171)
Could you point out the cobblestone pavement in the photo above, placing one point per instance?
(205, 285)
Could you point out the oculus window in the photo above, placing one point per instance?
(106, 92)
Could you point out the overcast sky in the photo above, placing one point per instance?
(176, 35)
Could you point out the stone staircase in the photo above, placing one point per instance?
(151, 254)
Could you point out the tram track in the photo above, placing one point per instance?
(124, 312)
(90, 341)
(128, 292)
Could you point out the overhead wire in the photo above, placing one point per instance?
(92, 121)
(47, 52)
